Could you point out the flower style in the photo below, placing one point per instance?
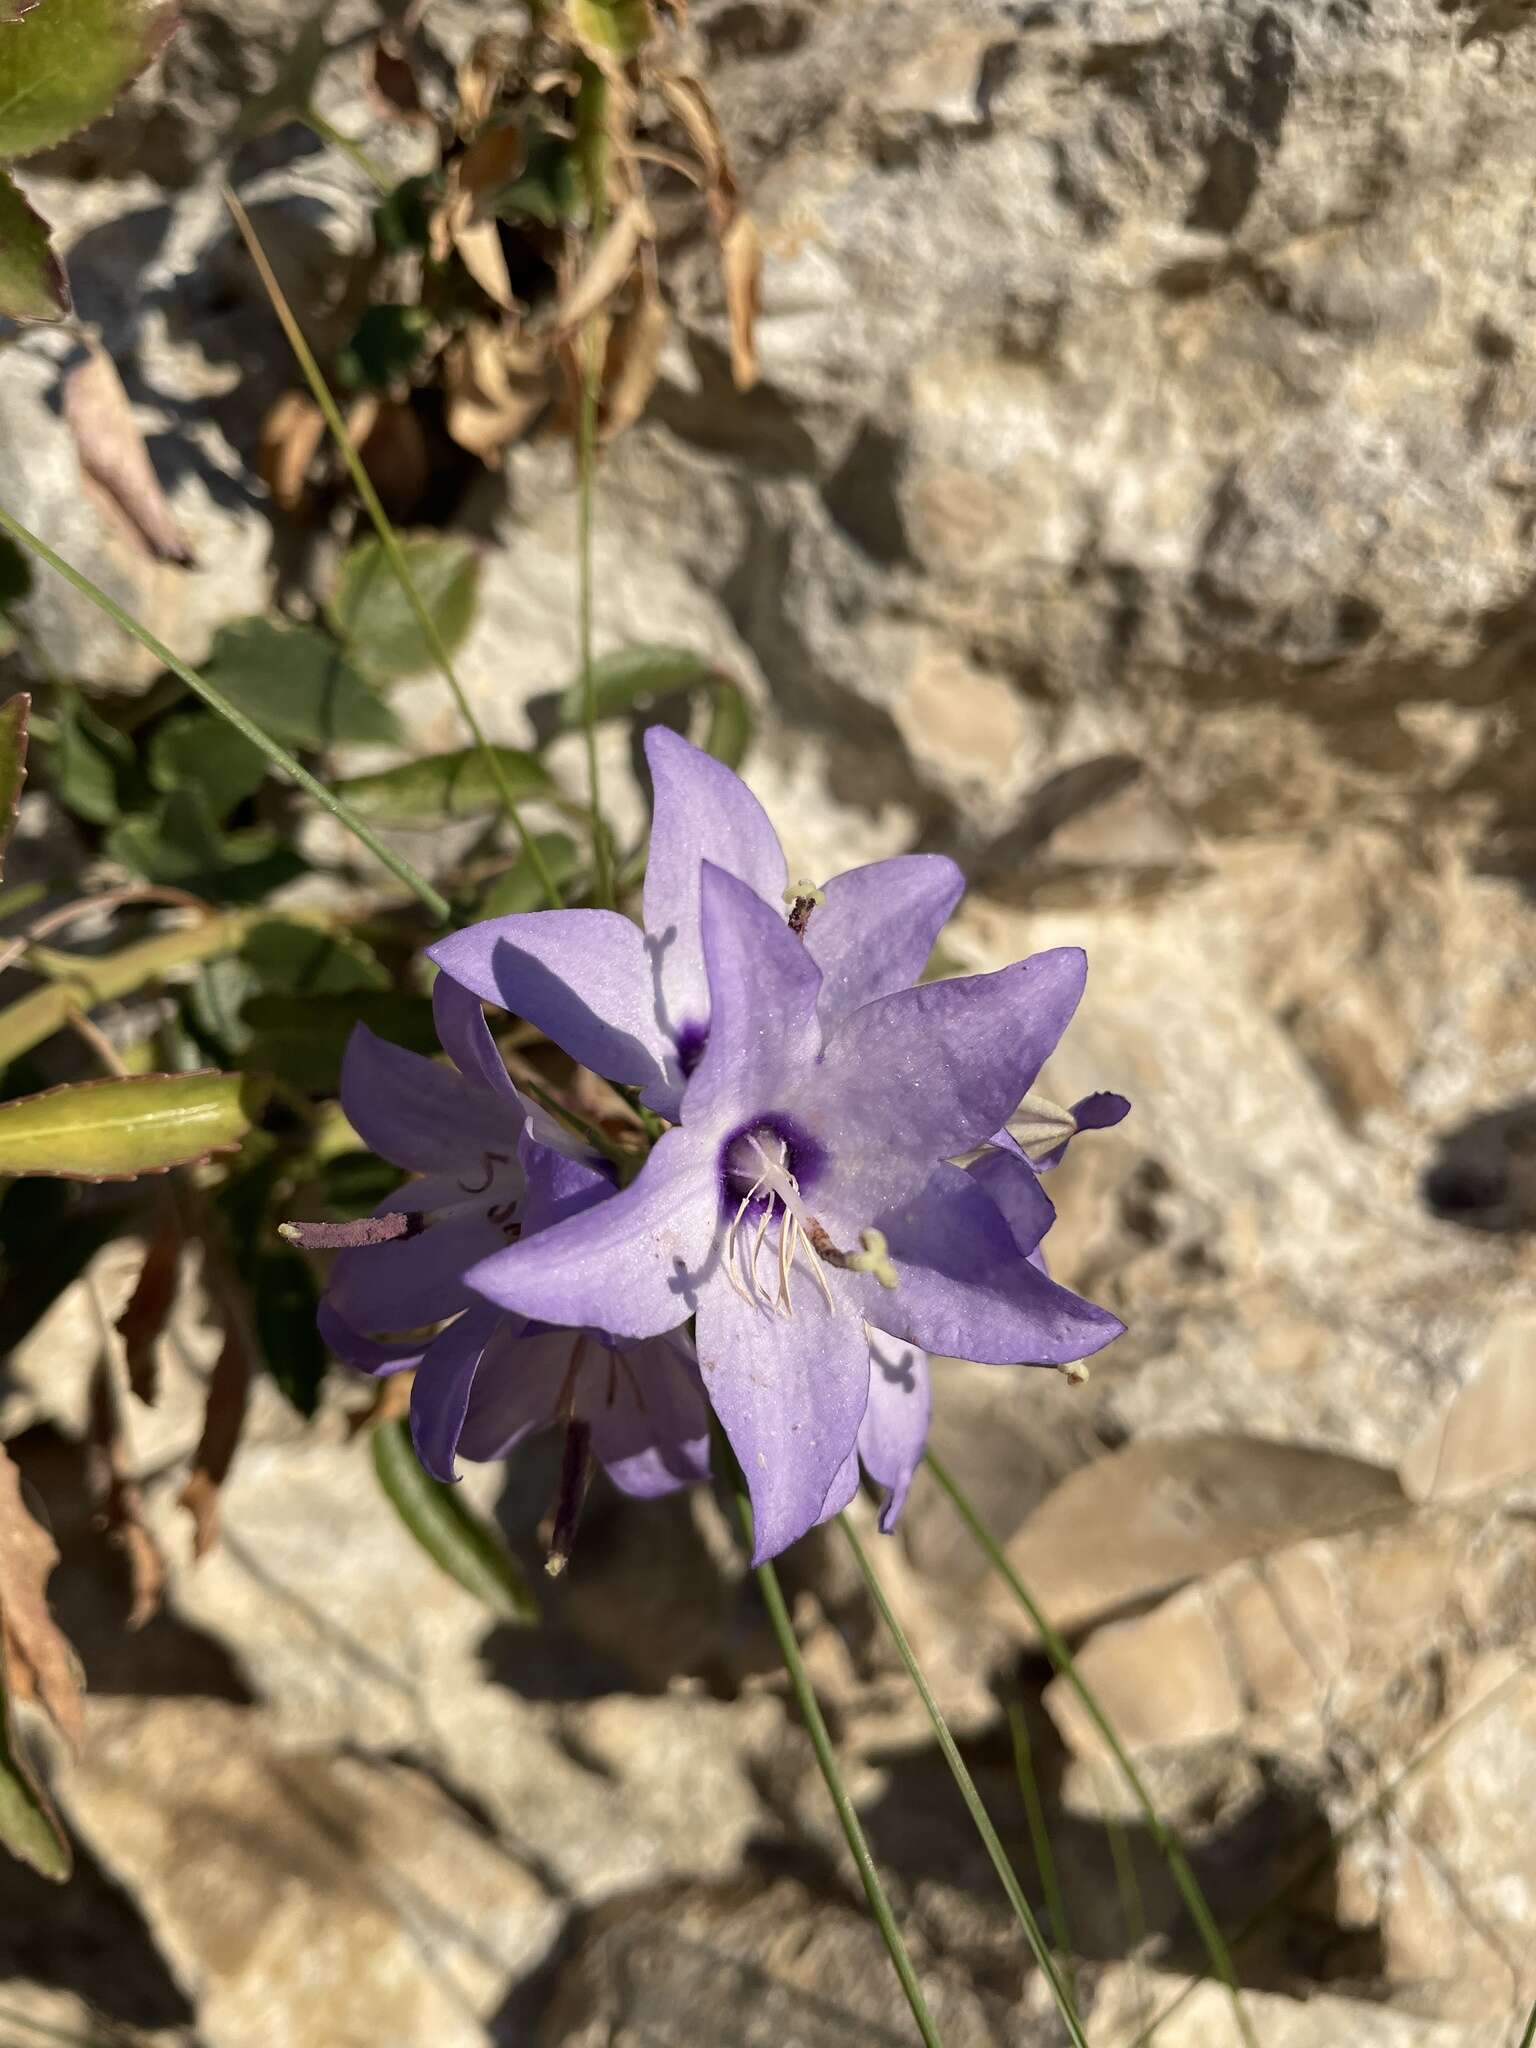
(807, 1194)
(494, 1169)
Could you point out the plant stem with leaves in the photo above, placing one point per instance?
(394, 554)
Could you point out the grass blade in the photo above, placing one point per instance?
(1056, 1649)
(592, 109)
(217, 701)
(1132, 1910)
(821, 1742)
(1040, 1840)
(967, 1788)
(1530, 2030)
(389, 540)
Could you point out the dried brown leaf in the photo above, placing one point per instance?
(492, 160)
(741, 263)
(223, 1419)
(122, 1502)
(39, 1660)
(394, 452)
(479, 79)
(634, 359)
(607, 267)
(496, 388)
(479, 245)
(291, 435)
(149, 1306)
(389, 80)
(112, 452)
(696, 112)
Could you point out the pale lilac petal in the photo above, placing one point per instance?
(444, 1381)
(703, 812)
(467, 1040)
(582, 976)
(964, 1290)
(1009, 1179)
(790, 1392)
(937, 1069)
(516, 1389)
(412, 1111)
(560, 1185)
(353, 1348)
(895, 1426)
(763, 985)
(1097, 1112)
(843, 1487)
(874, 933)
(631, 1264)
(414, 1281)
(649, 1418)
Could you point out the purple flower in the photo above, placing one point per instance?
(807, 1193)
(494, 1169)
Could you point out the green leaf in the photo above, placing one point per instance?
(403, 219)
(730, 723)
(32, 281)
(444, 786)
(13, 764)
(384, 347)
(613, 28)
(632, 680)
(64, 65)
(547, 189)
(285, 1296)
(178, 843)
(297, 684)
(29, 1827)
(15, 574)
(195, 750)
(91, 765)
(211, 1007)
(301, 1039)
(463, 1543)
(117, 1129)
(299, 960)
(289, 97)
(372, 615)
(520, 888)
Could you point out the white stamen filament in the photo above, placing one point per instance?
(780, 1192)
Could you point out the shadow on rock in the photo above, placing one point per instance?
(1485, 1175)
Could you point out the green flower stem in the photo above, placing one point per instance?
(393, 552)
(591, 116)
(821, 1742)
(1040, 1841)
(1056, 1649)
(967, 1788)
(354, 152)
(217, 701)
(1530, 2030)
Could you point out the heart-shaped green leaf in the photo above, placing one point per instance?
(32, 281)
(631, 680)
(297, 685)
(179, 843)
(91, 765)
(452, 1534)
(118, 1129)
(64, 64)
(444, 786)
(301, 960)
(520, 887)
(195, 750)
(372, 615)
(13, 764)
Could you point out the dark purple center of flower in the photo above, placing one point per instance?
(691, 1041)
(787, 1145)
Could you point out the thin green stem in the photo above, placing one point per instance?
(1132, 1909)
(592, 107)
(1040, 1841)
(967, 1789)
(821, 1743)
(379, 178)
(389, 540)
(1530, 2030)
(215, 699)
(1056, 1649)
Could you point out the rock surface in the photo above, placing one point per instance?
(1137, 500)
